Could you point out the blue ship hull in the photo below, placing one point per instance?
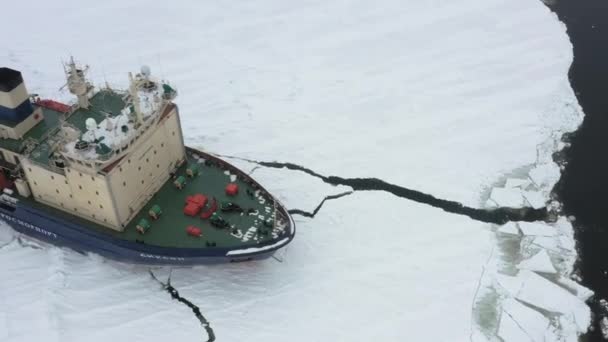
(57, 231)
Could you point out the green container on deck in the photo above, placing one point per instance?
(155, 211)
(180, 182)
(143, 226)
(193, 170)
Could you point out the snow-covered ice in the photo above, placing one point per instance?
(509, 228)
(538, 292)
(517, 183)
(430, 95)
(542, 293)
(507, 197)
(537, 229)
(520, 318)
(535, 199)
(539, 262)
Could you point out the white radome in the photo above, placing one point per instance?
(146, 71)
(90, 124)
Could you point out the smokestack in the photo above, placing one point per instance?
(15, 105)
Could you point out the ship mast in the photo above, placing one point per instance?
(77, 83)
(133, 90)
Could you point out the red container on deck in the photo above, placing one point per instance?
(232, 189)
(194, 231)
(194, 204)
(54, 105)
(198, 199)
(192, 209)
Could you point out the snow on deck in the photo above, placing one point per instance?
(117, 131)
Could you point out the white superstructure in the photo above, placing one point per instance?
(110, 169)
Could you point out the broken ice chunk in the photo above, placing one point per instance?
(511, 198)
(532, 322)
(545, 174)
(581, 292)
(509, 228)
(537, 229)
(540, 262)
(491, 204)
(517, 183)
(604, 327)
(510, 284)
(510, 331)
(566, 242)
(535, 199)
(540, 292)
(547, 242)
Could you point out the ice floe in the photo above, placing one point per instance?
(535, 326)
(540, 262)
(517, 183)
(509, 228)
(507, 197)
(534, 199)
(537, 229)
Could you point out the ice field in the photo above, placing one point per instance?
(462, 100)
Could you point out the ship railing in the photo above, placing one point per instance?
(105, 156)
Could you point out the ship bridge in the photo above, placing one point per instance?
(104, 157)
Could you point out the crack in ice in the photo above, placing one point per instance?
(316, 210)
(195, 309)
(499, 215)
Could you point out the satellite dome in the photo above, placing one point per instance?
(145, 70)
(90, 124)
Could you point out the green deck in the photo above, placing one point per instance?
(170, 229)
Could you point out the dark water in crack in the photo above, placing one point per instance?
(497, 215)
(584, 185)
